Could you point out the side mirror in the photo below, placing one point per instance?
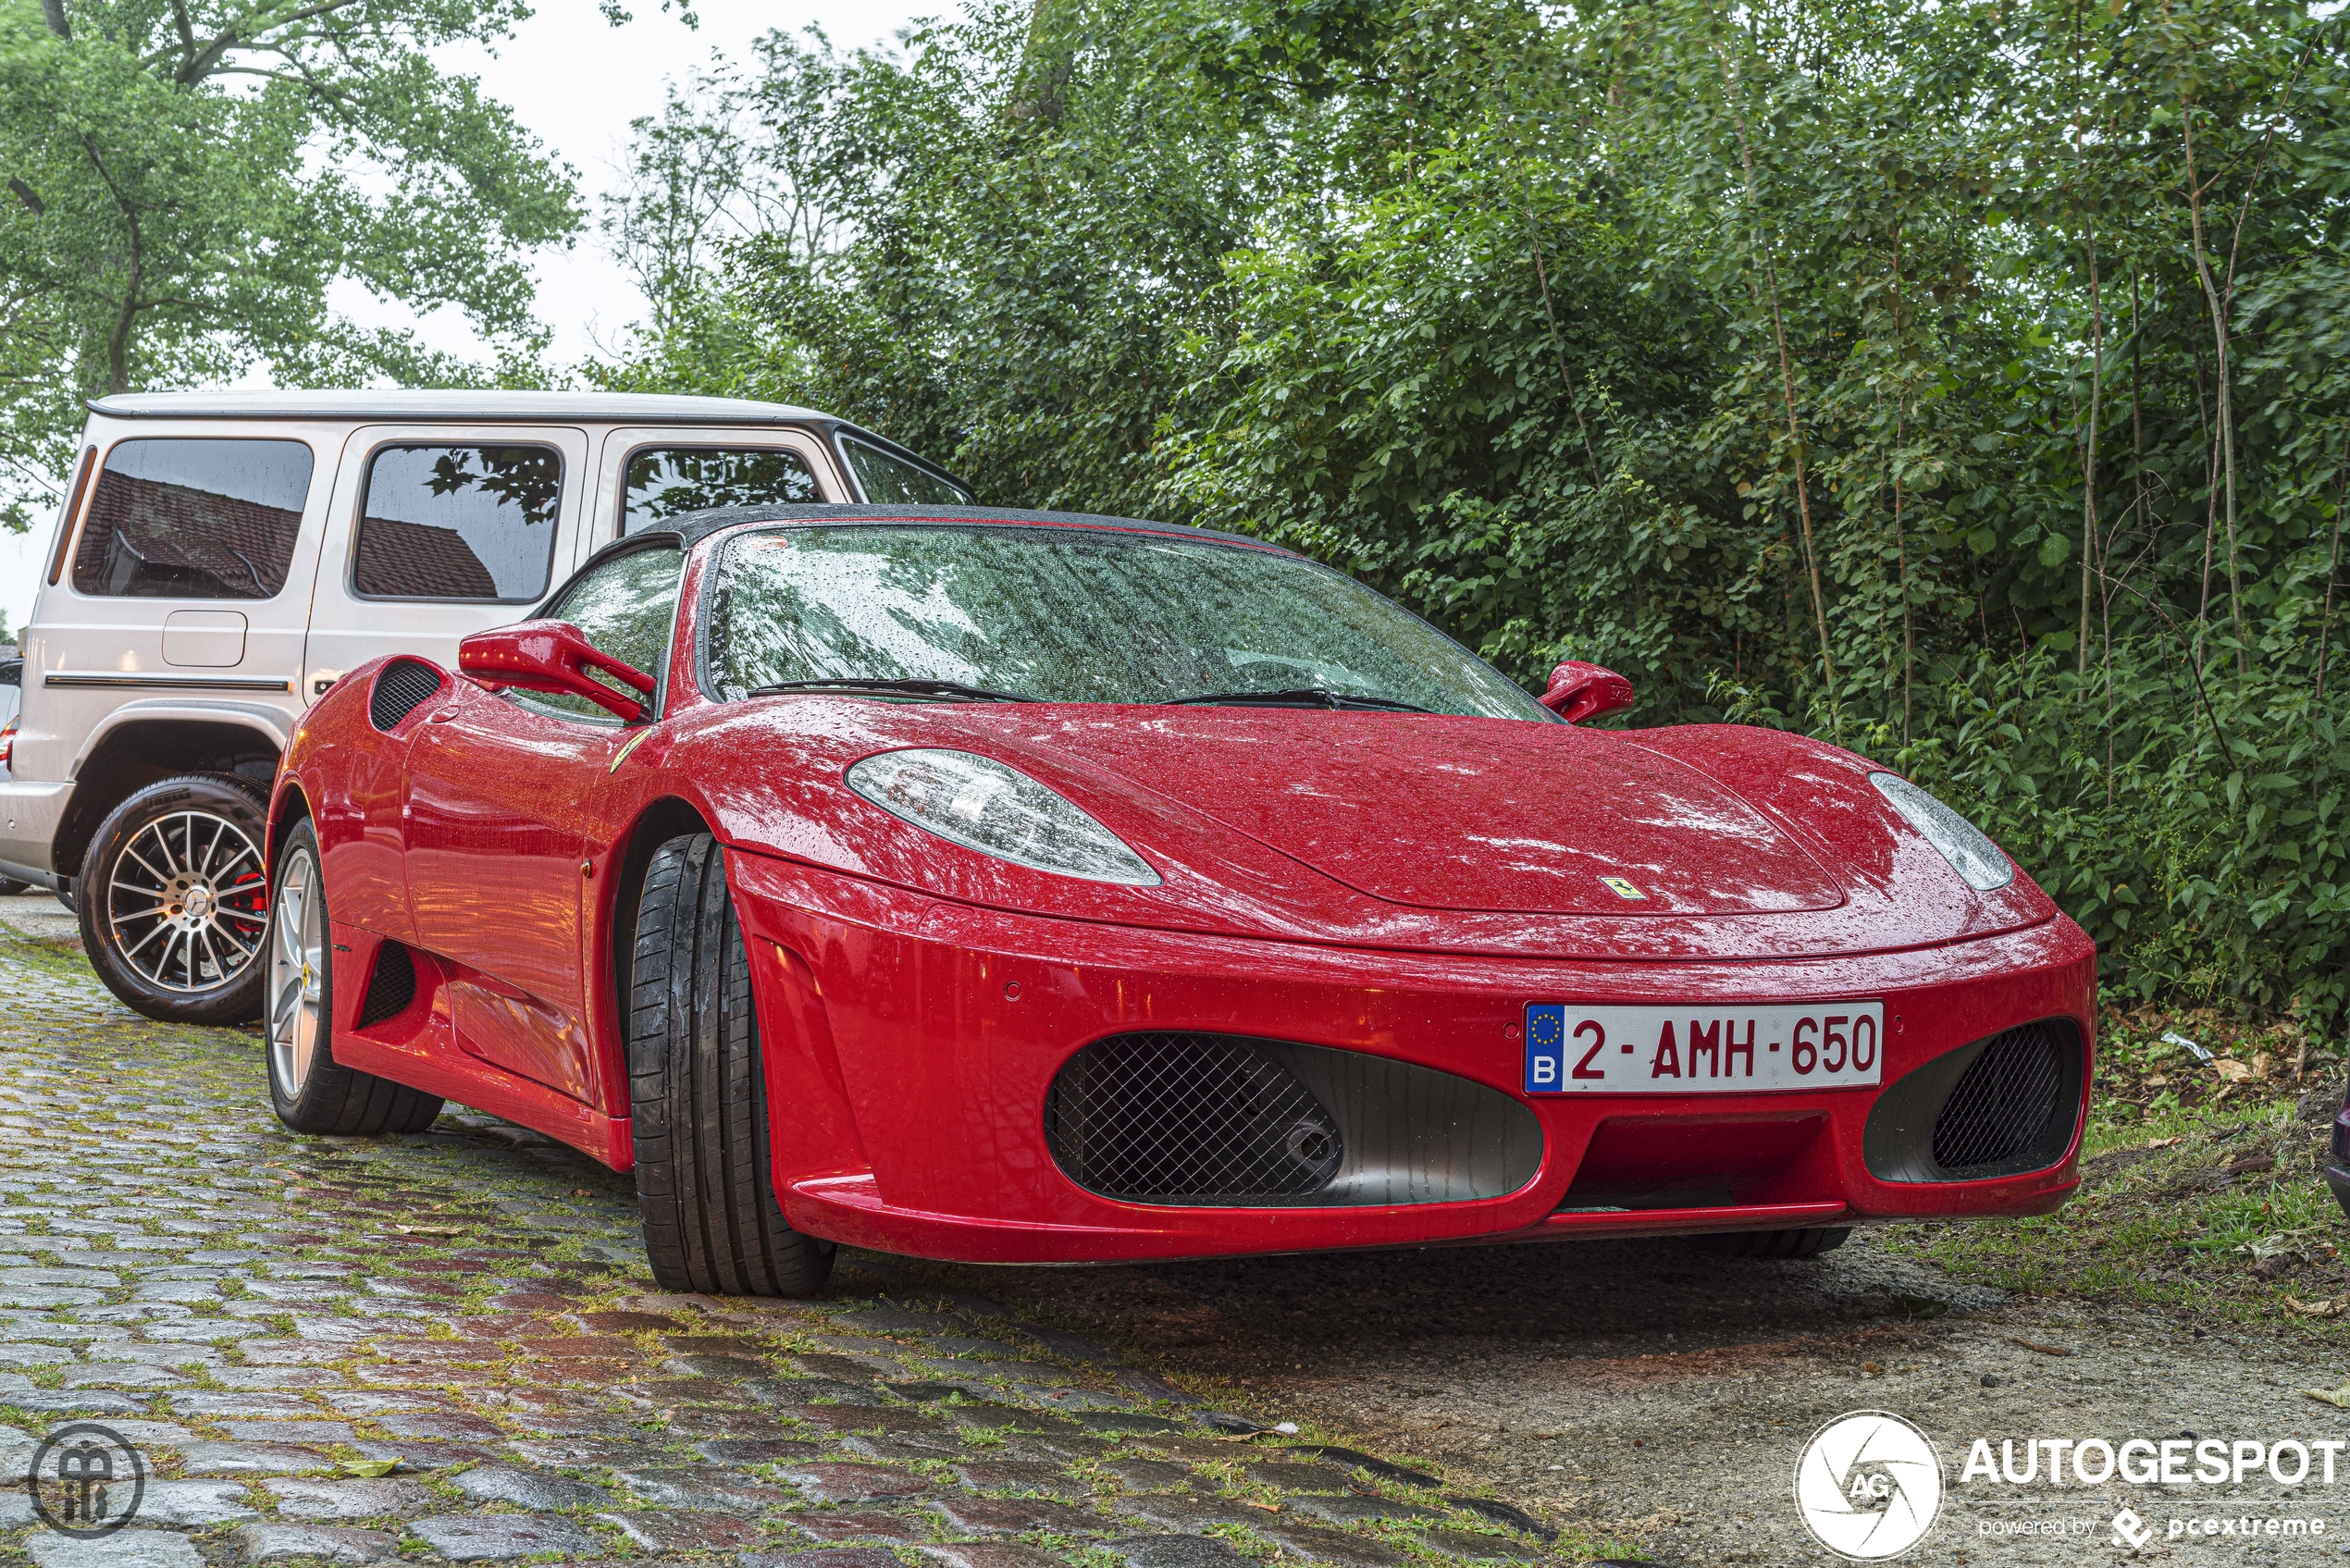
(551, 656)
(1580, 691)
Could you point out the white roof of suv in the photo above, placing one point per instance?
(615, 407)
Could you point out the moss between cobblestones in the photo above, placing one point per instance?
(115, 1129)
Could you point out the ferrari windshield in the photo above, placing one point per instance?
(1075, 615)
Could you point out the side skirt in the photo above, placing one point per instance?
(418, 1047)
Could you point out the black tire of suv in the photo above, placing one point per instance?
(334, 1099)
(698, 1094)
(239, 801)
(1775, 1243)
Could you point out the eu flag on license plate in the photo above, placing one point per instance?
(1545, 1048)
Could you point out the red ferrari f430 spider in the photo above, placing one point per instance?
(1027, 887)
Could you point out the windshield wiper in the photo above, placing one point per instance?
(1296, 697)
(906, 687)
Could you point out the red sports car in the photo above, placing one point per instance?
(1026, 887)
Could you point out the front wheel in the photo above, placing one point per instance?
(308, 1089)
(698, 1094)
(1808, 1243)
(173, 900)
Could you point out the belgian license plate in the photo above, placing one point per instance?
(1575, 1049)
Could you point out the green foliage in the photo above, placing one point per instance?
(1965, 382)
(181, 183)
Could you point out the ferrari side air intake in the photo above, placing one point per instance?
(2000, 1107)
(402, 686)
(1226, 1121)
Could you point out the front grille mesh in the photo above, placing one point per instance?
(2002, 1105)
(391, 989)
(1180, 1117)
(402, 686)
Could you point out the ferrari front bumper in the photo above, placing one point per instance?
(911, 1047)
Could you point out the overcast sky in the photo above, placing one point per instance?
(576, 82)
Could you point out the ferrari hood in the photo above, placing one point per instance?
(1465, 814)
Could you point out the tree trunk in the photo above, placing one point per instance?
(1787, 379)
(2227, 437)
(2089, 448)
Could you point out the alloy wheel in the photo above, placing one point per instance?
(297, 955)
(187, 902)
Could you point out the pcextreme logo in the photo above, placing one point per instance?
(1868, 1486)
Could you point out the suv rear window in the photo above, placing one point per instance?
(185, 518)
(458, 523)
(666, 482)
(889, 482)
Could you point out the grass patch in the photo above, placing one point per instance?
(2201, 1185)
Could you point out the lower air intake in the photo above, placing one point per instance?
(2003, 1104)
(391, 989)
(2000, 1107)
(1220, 1120)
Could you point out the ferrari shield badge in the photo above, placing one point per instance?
(1623, 889)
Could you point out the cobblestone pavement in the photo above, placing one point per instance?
(445, 1347)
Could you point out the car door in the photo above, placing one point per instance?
(497, 825)
(438, 531)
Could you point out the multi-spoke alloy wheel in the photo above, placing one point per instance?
(297, 964)
(174, 899)
(187, 901)
(310, 1091)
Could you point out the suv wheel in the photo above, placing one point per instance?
(174, 901)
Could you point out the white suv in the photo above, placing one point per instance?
(224, 558)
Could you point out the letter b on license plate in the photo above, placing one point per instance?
(1572, 1049)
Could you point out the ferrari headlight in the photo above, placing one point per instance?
(981, 804)
(1973, 856)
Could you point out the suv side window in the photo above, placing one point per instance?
(664, 482)
(458, 523)
(185, 518)
(625, 608)
(888, 482)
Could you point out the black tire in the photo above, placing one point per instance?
(698, 1094)
(322, 1096)
(133, 910)
(1774, 1243)
(11, 888)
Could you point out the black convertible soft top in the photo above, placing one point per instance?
(689, 530)
(696, 526)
